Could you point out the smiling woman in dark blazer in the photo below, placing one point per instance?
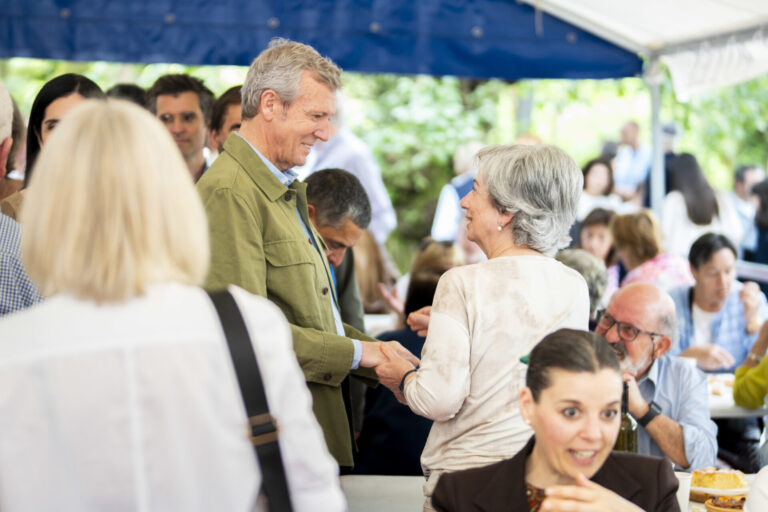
(572, 401)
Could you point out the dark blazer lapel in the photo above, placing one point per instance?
(615, 478)
(506, 488)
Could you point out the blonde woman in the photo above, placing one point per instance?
(118, 392)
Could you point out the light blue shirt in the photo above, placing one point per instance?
(680, 390)
(728, 328)
(286, 178)
(631, 166)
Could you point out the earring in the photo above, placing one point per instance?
(499, 227)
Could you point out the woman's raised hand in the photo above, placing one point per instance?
(585, 496)
(419, 320)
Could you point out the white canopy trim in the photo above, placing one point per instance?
(706, 44)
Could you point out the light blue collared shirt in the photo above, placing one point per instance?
(728, 328)
(680, 390)
(286, 178)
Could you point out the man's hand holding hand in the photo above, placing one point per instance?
(391, 371)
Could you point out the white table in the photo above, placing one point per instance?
(721, 399)
(378, 493)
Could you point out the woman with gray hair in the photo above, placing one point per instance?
(486, 316)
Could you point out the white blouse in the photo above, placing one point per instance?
(484, 318)
(135, 407)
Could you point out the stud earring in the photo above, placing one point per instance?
(499, 227)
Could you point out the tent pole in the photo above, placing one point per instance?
(654, 77)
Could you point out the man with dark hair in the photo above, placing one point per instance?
(183, 104)
(667, 396)
(226, 116)
(720, 319)
(128, 92)
(339, 210)
(746, 177)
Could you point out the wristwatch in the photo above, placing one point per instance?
(653, 411)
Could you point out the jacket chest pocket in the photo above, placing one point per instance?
(292, 274)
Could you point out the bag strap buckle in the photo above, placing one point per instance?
(262, 429)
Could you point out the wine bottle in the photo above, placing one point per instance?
(627, 440)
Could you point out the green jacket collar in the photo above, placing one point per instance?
(253, 166)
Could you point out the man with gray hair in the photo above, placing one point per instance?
(345, 150)
(667, 396)
(261, 235)
(16, 289)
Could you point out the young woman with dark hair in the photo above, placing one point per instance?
(56, 98)
(693, 208)
(598, 189)
(572, 401)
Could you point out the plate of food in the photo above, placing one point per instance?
(710, 482)
(725, 504)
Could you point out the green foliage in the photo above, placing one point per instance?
(727, 128)
(413, 125)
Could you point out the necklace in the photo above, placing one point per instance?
(535, 497)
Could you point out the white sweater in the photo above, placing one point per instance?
(484, 318)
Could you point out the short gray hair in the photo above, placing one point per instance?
(591, 268)
(669, 327)
(338, 195)
(6, 113)
(279, 68)
(540, 185)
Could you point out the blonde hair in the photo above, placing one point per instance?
(111, 207)
(639, 233)
(279, 68)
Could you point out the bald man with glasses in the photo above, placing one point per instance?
(667, 396)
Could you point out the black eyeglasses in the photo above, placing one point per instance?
(627, 332)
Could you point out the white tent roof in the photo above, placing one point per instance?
(705, 43)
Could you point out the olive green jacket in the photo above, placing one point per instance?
(258, 243)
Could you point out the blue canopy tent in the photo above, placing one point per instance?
(479, 39)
